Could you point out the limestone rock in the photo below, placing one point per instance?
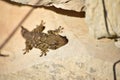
(102, 17)
(83, 58)
(76, 5)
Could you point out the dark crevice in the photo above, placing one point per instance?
(71, 13)
(105, 17)
(3, 55)
(67, 12)
(114, 69)
(13, 3)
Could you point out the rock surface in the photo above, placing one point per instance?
(83, 58)
(102, 17)
(76, 5)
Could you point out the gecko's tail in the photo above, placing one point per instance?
(24, 31)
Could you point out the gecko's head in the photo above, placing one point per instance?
(58, 42)
(24, 32)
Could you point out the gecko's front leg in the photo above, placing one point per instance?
(56, 31)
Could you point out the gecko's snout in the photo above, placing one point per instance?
(65, 39)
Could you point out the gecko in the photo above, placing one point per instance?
(43, 41)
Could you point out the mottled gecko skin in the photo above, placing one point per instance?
(43, 41)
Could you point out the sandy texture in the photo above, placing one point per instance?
(83, 58)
